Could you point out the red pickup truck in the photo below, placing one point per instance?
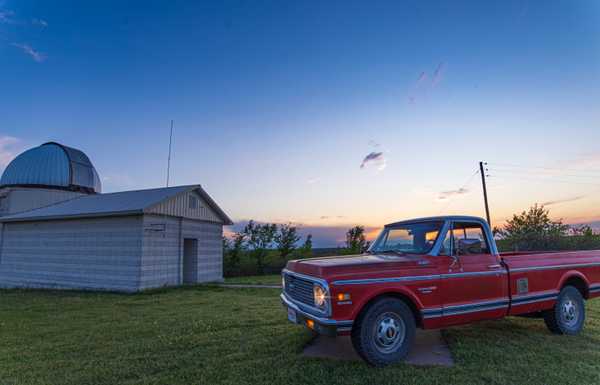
(434, 273)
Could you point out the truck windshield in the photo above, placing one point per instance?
(412, 238)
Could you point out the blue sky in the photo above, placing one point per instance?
(277, 104)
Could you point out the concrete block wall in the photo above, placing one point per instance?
(162, 250)
(92, 253)
(19, 199)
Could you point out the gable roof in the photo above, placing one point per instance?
(112, 204)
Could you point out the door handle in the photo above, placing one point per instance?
(495, 266)
(427, 290)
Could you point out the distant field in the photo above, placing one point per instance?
(273, 263)
(211, 335)
(272, 279)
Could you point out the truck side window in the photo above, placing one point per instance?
(469, 238)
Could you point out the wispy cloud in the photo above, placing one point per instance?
(585, 162)
(27, 49)
(564, 200)
(438, 74)
(6, 16)
(374, 159)
(40, 22)
(444, 195)
(425, 82)
(422, 78)
(313, 180)
(373, 143)
(7, 149)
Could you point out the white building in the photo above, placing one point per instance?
(57, 230)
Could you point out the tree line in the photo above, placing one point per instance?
(262, 247)
(266, 247)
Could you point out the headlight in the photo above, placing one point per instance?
(320, 296)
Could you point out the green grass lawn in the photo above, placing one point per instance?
(274, 279)
(212, 335)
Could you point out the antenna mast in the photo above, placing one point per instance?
(169, 158)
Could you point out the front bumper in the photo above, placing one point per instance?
(322, 325)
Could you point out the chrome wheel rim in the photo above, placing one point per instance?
(570, 312)
(389, 332)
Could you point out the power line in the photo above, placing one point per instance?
(541, 179)
(512, 165)
(544, 173)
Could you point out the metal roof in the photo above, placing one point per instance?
(439, 218)
(112, 204)
(53, 165)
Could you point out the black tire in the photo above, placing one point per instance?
(568, 314)
(384, 332)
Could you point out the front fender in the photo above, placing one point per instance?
(373, 293)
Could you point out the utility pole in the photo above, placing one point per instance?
(485, 198)
(169, 158)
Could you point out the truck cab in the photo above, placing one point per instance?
(431, 273)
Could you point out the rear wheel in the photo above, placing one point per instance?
(568, 314)
(385, 332)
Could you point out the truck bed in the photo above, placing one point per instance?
(540, 275)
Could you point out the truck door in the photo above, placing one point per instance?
(473, 283)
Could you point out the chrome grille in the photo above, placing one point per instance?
(299, 289)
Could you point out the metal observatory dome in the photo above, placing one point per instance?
(52, 165)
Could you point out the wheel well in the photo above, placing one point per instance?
(400, 296)
(579, 284)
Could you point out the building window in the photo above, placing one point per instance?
(193, 202)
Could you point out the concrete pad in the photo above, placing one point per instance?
(429, 349)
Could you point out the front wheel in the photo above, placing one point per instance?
(568, 314)
(385, 333)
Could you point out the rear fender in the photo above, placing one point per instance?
(573, 274)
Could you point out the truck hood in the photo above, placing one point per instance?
(361, 264)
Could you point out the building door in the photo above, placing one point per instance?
(190, 260)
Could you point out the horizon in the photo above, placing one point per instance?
(325, 115)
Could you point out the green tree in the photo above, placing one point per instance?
(286, 239)
(260, 239)
(232, 253)
(532, 230)
(355, 239)
(583, 238)
(237, 249)
(226, 245)
(306, 249)
(583, 230)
